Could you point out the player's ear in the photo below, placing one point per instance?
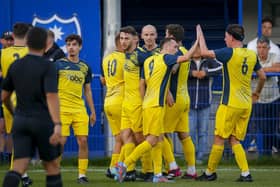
(80, 47)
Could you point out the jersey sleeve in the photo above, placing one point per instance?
(170, 59)
(257, 66)
(223, 55)
(7, 83)
(142, 56)
(51, 78)
(142, 73)
(88, 76)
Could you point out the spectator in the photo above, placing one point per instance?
(7, 39)
(265, 115)
(267, 25)
(53, 52)
(199, 86)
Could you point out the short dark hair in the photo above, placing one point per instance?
(129, 29)
(37, 38)
(263, 39)
(267, 19)
(164, 41)
(76, 37)
(237, 31)
(20, 29)
(177, 31)
(117, 38)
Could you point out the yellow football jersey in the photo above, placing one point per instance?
(71, 79)
(132, 69)
(179, 81)
(9, 55)
(238, 67)
(112, 70)
(156, 72)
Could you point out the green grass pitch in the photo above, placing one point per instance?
(264, 176)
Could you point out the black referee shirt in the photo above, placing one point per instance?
(31, 77)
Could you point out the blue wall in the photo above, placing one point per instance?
(88, 15)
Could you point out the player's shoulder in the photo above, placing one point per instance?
(140, 49)
(114, 55)
(13, 49)
(183, 50)
(150, 58)
(83, 63)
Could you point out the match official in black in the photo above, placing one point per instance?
(36, 122)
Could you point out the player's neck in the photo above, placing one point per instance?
(36, 52)
(131, 49)
(180, 43)
(19, 42)
(48, 47)
(150, 47)
(74, 58)
(237, 44)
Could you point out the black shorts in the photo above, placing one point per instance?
(30, 133)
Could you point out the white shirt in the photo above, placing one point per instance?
(270, 91)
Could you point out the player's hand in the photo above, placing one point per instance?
(195, 73)
(169, 99)
(92, 119)
(175, 68)
(198, 31)
(201, 74)
(255, 97)
(55, 138)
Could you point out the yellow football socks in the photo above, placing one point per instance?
(147, 163)
(167, 151)
(82, 165)
(189, 151)
(240, 157)
(129, 147)
(157, 158)
(137, 153)
(214, 158)
(114, 160)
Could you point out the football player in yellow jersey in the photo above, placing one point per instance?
(6, 40)
(112, 78)
(236, 103)
(149, 35)
(8, 56)
(74, 81)
(131, 118)
(176, 117)
(153, 86)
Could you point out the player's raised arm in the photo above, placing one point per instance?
(202, 44)
(189, 54)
